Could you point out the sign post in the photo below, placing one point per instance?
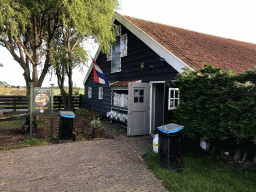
(51, 131)
(31, 107)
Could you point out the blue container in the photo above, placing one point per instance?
(170, 146)
(66, 125)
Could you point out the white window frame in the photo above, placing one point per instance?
(100, 92)
(89, 92)
(109, 58)
(171, 100)
(123, 47)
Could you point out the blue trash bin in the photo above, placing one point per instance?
(170, 146)
(66, 125)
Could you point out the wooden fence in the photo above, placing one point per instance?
(20, 102)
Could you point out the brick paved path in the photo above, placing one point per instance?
(103, 165)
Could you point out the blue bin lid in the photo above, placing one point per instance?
(67, 114)
(170, 128)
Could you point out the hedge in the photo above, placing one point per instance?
(217, 104)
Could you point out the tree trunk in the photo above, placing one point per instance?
(70, 88)
(245, 154)
(237, 155)
(64, 99)
(62, 90)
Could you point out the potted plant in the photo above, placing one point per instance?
(78, 133)
(97, 128)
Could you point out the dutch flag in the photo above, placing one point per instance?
(99, 77)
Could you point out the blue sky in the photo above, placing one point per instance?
(234, 19)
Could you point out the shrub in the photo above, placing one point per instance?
(90, 114)
(215, 104)
(96, 123)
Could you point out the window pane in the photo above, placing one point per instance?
(176, 94)
(123, 45)
(116, 57)
(171, 103)
(141, 92)
(136, 92)
(100, 92)
(136, 95)
(176, 102)
(172, 93)
(89, 92)
(141, 99)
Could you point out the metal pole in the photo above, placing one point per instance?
(51, 130)
(31, 107)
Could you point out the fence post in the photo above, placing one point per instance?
(51, 129)
(59, 101)
(31, 84)
(80, 100)
(14, 103)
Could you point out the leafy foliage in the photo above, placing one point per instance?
(90, 114)
(29, 30)
(96, 123)
(215, 104)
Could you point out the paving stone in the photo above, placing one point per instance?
(102, 165)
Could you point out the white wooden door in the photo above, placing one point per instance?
(138, 109)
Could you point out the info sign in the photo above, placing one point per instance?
(42, 100)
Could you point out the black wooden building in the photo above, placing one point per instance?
(142, 68)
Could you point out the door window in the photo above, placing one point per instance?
(138, 95)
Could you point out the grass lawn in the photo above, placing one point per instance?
(202, 173)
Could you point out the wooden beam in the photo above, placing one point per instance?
(15, 117)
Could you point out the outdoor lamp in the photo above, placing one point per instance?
(162, 60)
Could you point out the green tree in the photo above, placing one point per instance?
(66, 55)
(28, 29)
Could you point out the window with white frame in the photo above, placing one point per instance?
(123, 45)
(89, 92)
(173, 98)
(109, 56)
(116, 54)
(119, 51)
(100, 92)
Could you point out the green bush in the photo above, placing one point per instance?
(90, 114)
(215, 104)
(83, 112)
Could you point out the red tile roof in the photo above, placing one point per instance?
(195, 48)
